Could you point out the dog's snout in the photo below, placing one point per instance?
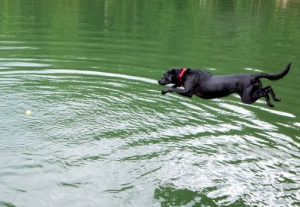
(162, 82)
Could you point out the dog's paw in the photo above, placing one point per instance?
(277, 99)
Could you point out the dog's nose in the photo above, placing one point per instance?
(160, 82)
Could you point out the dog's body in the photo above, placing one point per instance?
(208, 86)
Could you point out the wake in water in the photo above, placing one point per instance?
(113, 135)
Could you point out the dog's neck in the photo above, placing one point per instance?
(181, 75)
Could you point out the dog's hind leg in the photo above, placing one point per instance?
(252, 94)
(267, 98)
(264, 92)
(269, 89)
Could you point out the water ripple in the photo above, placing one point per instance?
(90, 127)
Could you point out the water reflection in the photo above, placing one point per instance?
(282, 3)
(183, 151)
(87, 70)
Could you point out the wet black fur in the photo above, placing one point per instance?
(208, 86)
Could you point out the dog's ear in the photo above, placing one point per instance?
(173, 71)
(170, 72)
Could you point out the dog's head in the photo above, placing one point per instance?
(169, 77)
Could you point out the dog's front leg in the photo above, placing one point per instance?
(183, 92)
(168, 90)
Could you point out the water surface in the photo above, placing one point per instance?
(101, 134)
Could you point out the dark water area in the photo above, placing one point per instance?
(98, 132)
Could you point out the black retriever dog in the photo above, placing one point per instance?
(205, 85)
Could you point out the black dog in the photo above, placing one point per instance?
(208, 86)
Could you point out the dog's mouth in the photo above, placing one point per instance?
(162, 82)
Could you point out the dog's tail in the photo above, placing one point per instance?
(274, 76)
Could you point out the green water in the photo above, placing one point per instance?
(101, 134)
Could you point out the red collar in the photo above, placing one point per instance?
(181, 75)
